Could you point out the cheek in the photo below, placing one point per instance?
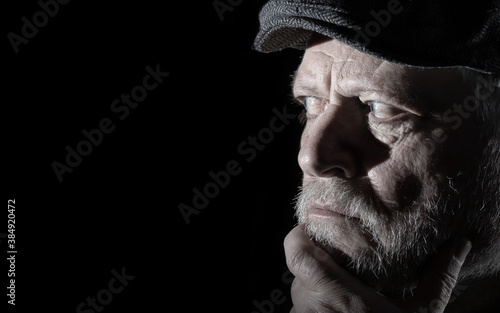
(401, 180)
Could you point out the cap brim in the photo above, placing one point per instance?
(464, 35)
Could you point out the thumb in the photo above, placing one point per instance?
(436, 286)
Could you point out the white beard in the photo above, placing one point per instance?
(400, 240)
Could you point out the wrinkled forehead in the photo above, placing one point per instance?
(343, 59)
(330, 65)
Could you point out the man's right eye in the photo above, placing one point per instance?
(314, 106)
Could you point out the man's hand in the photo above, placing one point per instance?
(322, 286)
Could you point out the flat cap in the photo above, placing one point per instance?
(425, 33)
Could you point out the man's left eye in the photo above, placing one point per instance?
(383, 110)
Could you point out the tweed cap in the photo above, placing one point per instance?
(425, 33)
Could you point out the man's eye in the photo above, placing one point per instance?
(314, 106)
(383, 110)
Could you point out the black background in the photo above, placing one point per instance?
(119, 207)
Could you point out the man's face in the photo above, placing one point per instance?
(377, 190)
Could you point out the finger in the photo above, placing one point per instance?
(321, 283)
(302, 297)
(306, 260)
(315, 268)
(436, 286)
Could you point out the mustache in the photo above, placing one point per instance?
(357, 197)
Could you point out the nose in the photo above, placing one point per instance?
(335, 144)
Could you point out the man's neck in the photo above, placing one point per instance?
(479, 295)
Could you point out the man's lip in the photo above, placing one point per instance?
(327, 210)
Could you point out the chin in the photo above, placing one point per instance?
(386, 245)
(393, 274)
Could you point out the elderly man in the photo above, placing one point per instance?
(399, 210)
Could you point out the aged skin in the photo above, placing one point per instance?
(378, 194)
